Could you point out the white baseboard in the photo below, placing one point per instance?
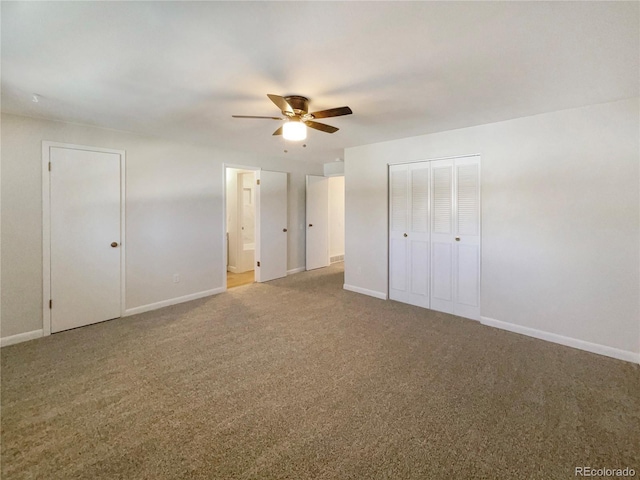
(232, 269)
(562, 340)
(336, 258)
(172, 301)
(365, 291)
(21, 337)
(295, 270)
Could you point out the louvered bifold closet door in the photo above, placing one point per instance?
(455, 236)
(467, 238)
(442, 235)
(409, 233)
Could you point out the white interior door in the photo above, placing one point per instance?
(455, 237)
(409, 233)
(271, 223)
(442, 235)
(317, 222)
(85, 226)
(467, 238)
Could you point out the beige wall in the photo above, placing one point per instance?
(174, 214)
(560, 219)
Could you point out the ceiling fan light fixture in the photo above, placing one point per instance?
(295, 110)
(294, 131)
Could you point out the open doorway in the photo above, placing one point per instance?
(241, 226)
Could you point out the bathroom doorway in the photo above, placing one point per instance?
(241, 226)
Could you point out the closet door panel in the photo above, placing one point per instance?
(442, 235)
(442, 277)
(399, 209)
(468, 285)
(467, 237)
(468, 199)
(409, 258)
(419, 198)
(398, 227)
(442, 197)
(420, 268)
(397, 265)
(419, 234)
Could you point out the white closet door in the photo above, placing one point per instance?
(271, 222)
(442, 235)
(398, 226)
(317, 222)
(467, 238)
(455, 236)
(409, 233)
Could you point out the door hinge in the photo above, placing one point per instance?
(258, 263)
(49, 166)
(50, 304)
(258, 182)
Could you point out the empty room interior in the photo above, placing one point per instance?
(320, 240)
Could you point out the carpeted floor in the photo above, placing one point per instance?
(299, 379)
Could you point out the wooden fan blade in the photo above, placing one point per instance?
(332, 112)
(321, 126)
(278, 131)
(281, 103)
(252, 116)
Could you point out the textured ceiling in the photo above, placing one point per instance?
(181, 69)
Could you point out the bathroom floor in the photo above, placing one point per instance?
(237, 279)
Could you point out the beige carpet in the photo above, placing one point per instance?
(299, 379)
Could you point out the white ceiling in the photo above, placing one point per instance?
(181, 69)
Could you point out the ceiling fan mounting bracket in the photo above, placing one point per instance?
(300, 105)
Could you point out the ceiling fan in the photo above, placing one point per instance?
(296, 111)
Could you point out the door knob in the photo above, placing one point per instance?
(457, 239)
(284, 229)
(311, 224)
(405, 235)
(114, 244)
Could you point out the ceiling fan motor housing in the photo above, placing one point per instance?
(300, 105)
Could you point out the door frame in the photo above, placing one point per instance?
(450, 157)
(224, 217)
(46, 225)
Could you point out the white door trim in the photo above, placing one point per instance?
(451, 157)
(224, 217)
(46, 226)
